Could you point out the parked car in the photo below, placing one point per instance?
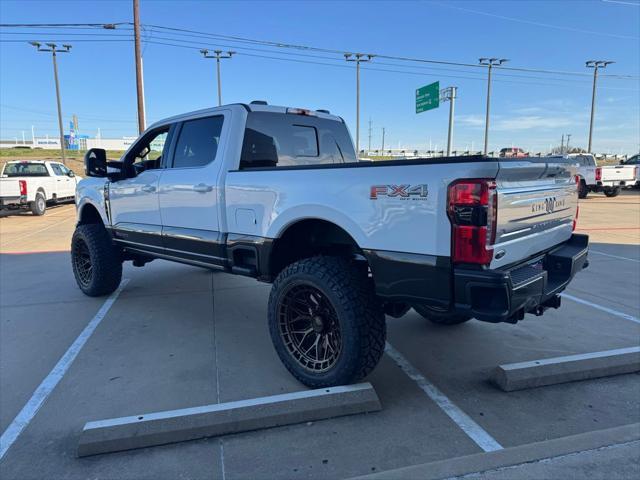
(608, 179)
(513, 152)
(32, 183)
(277, 194)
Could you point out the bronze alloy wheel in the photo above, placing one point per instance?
(82, 262)
(309, 327)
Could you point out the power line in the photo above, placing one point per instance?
(297, 60)
(283, 45)
(55, 25)
(538, 24)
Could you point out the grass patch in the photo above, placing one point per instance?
(75, 158)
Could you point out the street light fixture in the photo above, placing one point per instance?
(595, 64)
(489, 63)
(358, 58)
(53, 48)
(218, 54)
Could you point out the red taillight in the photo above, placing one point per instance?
(575, 219)
(23, 187)
(472, 209)
(598, 174)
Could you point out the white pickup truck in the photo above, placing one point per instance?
(277, 194)
(608, 179)
(32, 183)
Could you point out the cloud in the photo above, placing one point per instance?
(471, 120)
(517, 122)
(526, 122)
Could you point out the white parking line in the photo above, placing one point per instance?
(479, 435)
(611, 311)
(45, 388)
(615, 256)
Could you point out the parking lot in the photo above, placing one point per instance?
(179, 336)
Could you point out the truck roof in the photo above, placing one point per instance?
(29, 160)
(248, 107)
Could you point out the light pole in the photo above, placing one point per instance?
(489, 63)
(568, 137)
(449, 94)
(53, 48)
(138, 56)
(217, 55)
(595, 64)
(358, 58)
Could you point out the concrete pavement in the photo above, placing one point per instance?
(180, 336)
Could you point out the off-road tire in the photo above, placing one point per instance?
(92, 242)
(441, 318)
(359, 315)
(39, 205)
(583, 190)
(612, 192)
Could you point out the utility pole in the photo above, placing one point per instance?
(595, 64)
(449, 94)
(218, 55)
(358, 58)
(369, 149)
(489, 63)
(382, 140)
(53, 48)
(562, 145)
(138, 54)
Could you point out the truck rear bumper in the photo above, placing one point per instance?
(505, 295)
(13, 202)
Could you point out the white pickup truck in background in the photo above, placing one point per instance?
(32, 183)
(608, 179)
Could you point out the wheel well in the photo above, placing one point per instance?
(307, 238)
(89, 214)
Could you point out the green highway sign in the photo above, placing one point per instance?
(428, 97)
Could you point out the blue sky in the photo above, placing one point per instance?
(530, 110)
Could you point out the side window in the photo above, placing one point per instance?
(198, 142)
(147, 152)
(57, 169)
(285, 140)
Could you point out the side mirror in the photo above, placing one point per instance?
(95, 162)
(71, 174)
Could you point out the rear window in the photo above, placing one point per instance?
(25, 169)
(284, 140)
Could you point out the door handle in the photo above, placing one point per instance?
(148, 188)
(202, 188)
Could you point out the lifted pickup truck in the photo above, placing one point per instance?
(32, 183)
(277, 194)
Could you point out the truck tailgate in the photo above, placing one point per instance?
(536, 207)
(618, 173)
(9, 188)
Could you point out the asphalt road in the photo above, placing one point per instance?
(178, 336)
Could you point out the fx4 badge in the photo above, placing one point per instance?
(404, 192)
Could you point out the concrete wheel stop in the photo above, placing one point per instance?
(160, 428)
(551, 371)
